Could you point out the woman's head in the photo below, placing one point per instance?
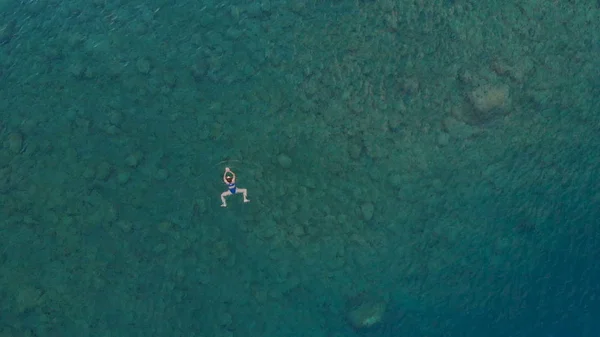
(229, 178)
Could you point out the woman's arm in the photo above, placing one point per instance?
(225, 175)
(227, 170)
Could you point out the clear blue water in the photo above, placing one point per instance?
(430, 168)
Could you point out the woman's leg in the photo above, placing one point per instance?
(244, 193)
(223, 195)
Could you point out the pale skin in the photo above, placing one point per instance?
(229, 180)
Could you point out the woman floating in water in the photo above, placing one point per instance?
(229, 180)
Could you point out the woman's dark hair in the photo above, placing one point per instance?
(229, 178)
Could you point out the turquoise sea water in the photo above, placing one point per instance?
(414, 168)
